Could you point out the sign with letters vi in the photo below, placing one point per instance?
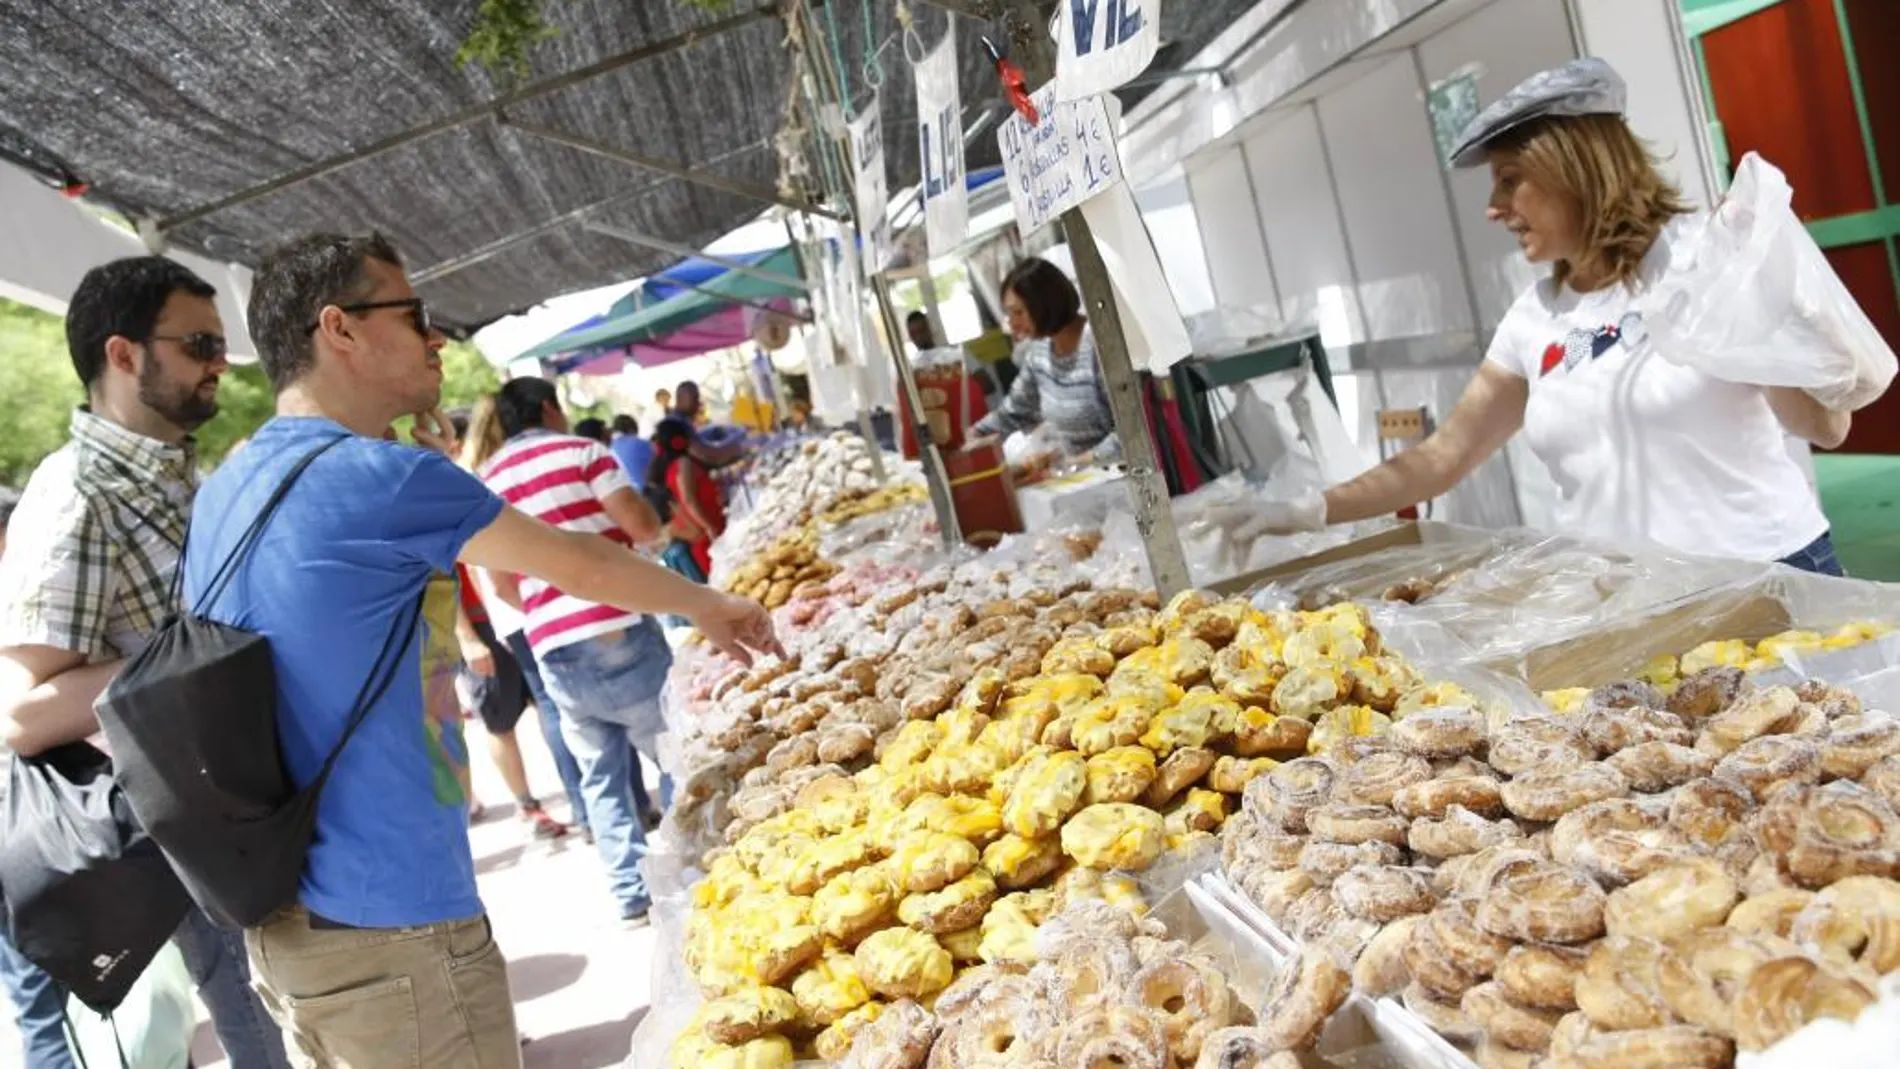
(1101, 44)
(940, 148)
(867, 155)
(1060, 163)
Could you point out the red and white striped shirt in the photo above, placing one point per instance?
(561, 480)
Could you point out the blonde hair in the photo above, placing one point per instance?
(1610, 179)
(484, 438)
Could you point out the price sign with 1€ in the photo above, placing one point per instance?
(1063, 161)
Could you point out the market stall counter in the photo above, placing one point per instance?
(1531, 802)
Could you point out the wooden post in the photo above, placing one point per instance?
(1035, 53)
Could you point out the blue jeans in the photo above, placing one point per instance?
(215, 957)
(37, 1005)
(608, 691)
(679, 557)
(1818, 557)
(564, 764)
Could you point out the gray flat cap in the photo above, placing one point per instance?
(1586, 86)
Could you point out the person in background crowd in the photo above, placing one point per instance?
(634, 453)
(686, 404)
(917, 325)
(1642, 449)
(1060, 377)
(489, 685)
(604, 667)
(88, 576)
(594, 430)
(441, 662)
(387, 960)
(698, 515)
(492, 686)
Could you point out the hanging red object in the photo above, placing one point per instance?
(72, 188)
(1015, 85)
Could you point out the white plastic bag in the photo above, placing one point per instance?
(154, 1024)
(1753, 300)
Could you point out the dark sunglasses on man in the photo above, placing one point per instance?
(204, 346)
(418, 312)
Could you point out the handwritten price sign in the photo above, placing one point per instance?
(1063, 162)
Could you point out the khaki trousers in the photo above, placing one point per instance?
(433, 997)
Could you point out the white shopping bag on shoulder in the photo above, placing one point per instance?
(1752, 299)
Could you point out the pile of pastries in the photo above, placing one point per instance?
(923, 810)
(1655, 879)
(854, 504)
(807, 478)
(1667, 671)
(782, 570)
(1100, 984)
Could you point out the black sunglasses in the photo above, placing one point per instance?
(203, 346)
(418, 312)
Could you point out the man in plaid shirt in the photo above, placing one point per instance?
(87, 578)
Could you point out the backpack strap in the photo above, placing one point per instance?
(249, 539)
(382, 675)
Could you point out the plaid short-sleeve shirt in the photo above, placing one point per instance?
(94, 542)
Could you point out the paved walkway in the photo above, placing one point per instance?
(580, 977)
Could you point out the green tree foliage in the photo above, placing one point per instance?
(38, 389)
(38, 392)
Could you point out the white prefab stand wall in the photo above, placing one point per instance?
(1314, 186)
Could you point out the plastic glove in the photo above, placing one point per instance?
(1302, 514)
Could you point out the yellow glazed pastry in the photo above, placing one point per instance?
(1115, 836)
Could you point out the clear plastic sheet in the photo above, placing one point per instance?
(1774, 601)
(674, 998)
(1868, 1042)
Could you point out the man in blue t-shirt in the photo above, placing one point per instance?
(634, 453)
(387, 959)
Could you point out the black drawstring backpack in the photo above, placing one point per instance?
(193, 725)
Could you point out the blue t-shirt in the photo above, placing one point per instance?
(635, 455)
(348, 555)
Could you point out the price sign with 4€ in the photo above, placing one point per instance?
(1060, 163)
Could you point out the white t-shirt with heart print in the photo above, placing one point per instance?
(1643, 449)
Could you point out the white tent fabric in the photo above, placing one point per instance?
(51, 243)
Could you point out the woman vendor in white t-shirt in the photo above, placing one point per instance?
(1641, 448)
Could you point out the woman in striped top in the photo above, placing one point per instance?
(1059, 384)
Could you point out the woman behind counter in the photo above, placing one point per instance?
(1059, 381)
(1642, 449)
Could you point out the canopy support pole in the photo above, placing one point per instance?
(1033, 50)
(469, 115)
(665, 167)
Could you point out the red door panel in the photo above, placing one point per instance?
(1875, 26)
(1781, 89)
(1864, 268)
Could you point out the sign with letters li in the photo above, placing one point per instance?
(1101, 44)
(940, 148)
(1061, 163)
(867, 155)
